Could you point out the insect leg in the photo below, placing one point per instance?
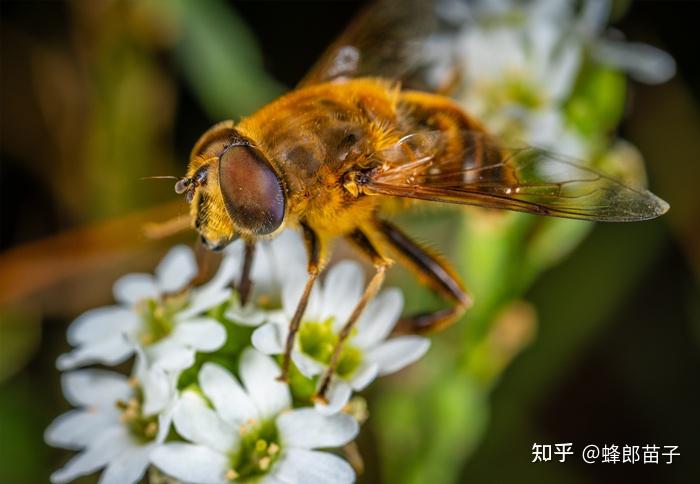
(313, 249)
(435, 272)
(245, 284)
(381, 264)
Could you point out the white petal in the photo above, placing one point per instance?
(231, 402)
(342, 290)
(269, 338)
(271, 479)
(84, 388)
(338, 396)
(292, 290)
(165, 420)
(378, 318)
(102, 323)
(191, 463)
(77, 428)
(177, 269)
(306, 365)
(643, 62)
(132, 288)
(202, 301)
(397, 353)
(202, 334)
(594, 14)
(310, 466)
(563, 71)
(227, 272)
(259, 374)
(248, 315)
(128, 467)
(308, 429)
(200, 424)
(158, 390)
(170, 355)
(109, 352)
(107, 446)
(364, 375)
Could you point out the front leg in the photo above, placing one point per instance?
(313, 249)
(245, 284)
(381, 264)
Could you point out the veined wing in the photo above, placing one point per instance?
(524, 179)
(389, 40)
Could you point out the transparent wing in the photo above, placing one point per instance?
(389, 39)
(524, 179)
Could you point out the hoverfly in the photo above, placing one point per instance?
(364, 128)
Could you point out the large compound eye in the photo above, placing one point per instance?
(252, 192)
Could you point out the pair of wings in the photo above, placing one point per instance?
(391, 40)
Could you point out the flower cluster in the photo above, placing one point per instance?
(203, 402)
(535, 70)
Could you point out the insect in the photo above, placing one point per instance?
(330, 157)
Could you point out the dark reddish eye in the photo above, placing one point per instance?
(252, 192)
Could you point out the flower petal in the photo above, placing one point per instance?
(306, 365)
(292, 290)
(247, 315)
(158, 389)
(643, 62)
(202, 334)
(101, 323)
(132, 288)
(191, 463)
(269, 338)
(364, 375)
(84, 388)
(76, 429)
(110, 352)
(259, 374)
(397, 353)
(342, 290)
(203, 300)
(107, 446)
(196, 422)
(300, 465)
(177, 269)
(231, 402)
(308, 429)
(338, 396)
(128, 467)
(170, 355)
(378, 318)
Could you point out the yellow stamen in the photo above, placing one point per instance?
(151, 429)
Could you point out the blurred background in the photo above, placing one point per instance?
(95, 95)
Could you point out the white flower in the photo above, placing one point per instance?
(275, 261)
(118, 424)
(155, 312)
(250, 433)
(521, 60)
(365, 354)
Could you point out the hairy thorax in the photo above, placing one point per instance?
(315, 137)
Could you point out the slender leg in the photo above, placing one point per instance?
(245, 284)
(313, 249)
(435, 272)
(381, 264)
